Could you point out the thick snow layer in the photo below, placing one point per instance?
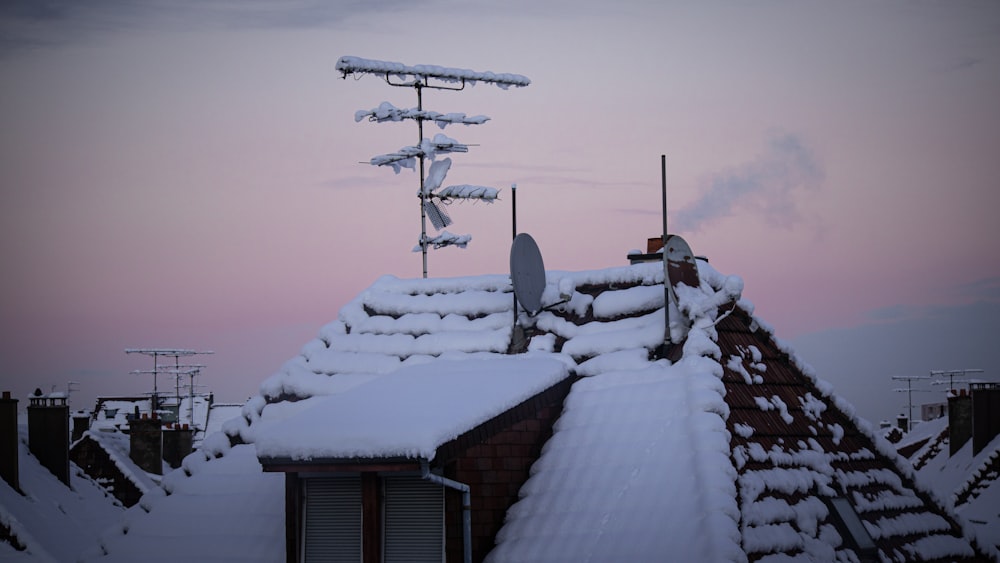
(638, 465)
(228, 510)
(51, 521)
(351, 65)
(418, 408)
(962, 474)
(636, 469)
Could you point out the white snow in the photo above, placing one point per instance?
(468, 191)
(228, 510)
(420, 408)
(388, 112)
(351, 65)
(51, 521)
(639, 464)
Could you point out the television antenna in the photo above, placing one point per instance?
(952, 374)
(430, 193)
(191, 371)
(909, 379)
(156, 354)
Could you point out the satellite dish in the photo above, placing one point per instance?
(527, 273)
(681, 266)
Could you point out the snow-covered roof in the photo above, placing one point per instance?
(731, 450)
(117, 446)
(430, 404)
(50, 521)
(967, 483)
(226, 510)
(112, 413)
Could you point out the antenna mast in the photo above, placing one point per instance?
(952, 374)
(156, 353)
(909, 379)
(666, 274)
(439, 78)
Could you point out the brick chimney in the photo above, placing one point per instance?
(8, 440)
(959, 421)
(146, 444)
(81, 423)
(48, 432)
(985, 414)
(178, 442)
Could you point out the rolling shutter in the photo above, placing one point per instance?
(413, 520)
(332, 519)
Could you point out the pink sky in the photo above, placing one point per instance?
(191, 177)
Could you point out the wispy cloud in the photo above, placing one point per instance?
(27, 24)
(769, 186)
(986, 289)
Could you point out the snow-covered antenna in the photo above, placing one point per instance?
(909, 379)
(439, 78)
(156, 353)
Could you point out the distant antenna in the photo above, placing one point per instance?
(952, 374)
(909, 379)
(156, 353)
(527, 273)
(440, 78)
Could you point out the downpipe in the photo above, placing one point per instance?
(425, 473)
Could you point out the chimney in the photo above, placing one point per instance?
(985, 414)
(146, 445)
(48, 432)
(81, 423)
(903, 423)
(8, 440)
(959, 421)
(177, 443)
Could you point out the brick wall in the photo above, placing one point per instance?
(494, 470)
(97, 463)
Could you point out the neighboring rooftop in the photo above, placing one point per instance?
(46, 520)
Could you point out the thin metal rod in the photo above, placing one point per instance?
(666, 275)
(513, 203)
(513, 220)
(422, 195)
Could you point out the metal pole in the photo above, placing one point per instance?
(155, 367)
(513, 201)
(422, 195)
(513, 221)
(666, 275)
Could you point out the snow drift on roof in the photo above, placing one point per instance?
(418, 409)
